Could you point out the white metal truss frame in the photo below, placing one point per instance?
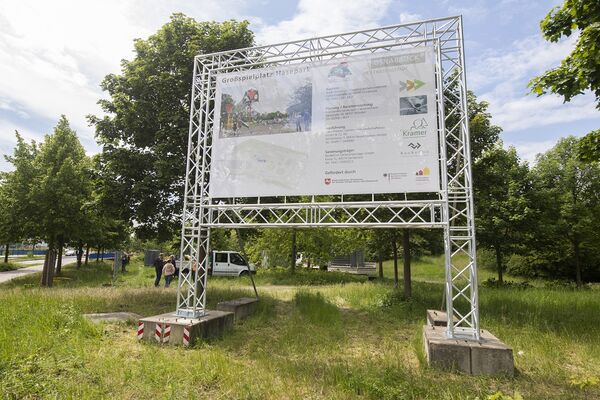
(450, 209)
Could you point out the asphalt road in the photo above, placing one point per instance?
(35, 266)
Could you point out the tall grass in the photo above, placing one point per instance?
(348, 340)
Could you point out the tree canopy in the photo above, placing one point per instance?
(144, 136)
(580, 70)
(502, 203)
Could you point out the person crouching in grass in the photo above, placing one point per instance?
(168, 272)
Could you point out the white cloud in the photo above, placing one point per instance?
(53, 55)
(474, 11)
(529, 150)
(501, 77)
(8, 140)
(406, 17)
(56, 53)
(521, 61)
(317, 18)
(518, 113)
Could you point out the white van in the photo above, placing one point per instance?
(229, 263)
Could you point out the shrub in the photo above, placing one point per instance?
(494, 283)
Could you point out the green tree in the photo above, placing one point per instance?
(60, 187)
(580, 70)
(567, 197)
(105, 227)
(588, 147)
(16, 221)
(144, 137)
(502, 204)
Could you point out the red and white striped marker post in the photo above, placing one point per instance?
(140, 331)
(158, 332)
(186, 336)
(166, 333)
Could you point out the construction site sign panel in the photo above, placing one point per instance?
(354, 125)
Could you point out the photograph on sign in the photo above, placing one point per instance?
(282, 107)
(362, 124)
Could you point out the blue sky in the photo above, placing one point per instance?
(54, 54)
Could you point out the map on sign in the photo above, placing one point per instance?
(364, 124)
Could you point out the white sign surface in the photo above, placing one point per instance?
(365, 124)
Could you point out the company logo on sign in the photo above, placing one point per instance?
(414, 146)
(417, 129)
(423, 172)
(340, 71)
(328, 181)
(419, 124)
(411, 85)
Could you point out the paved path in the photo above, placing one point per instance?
(36, 266)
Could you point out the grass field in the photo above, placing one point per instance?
(10, 266)
(315, 335)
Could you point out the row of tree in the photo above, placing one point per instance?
(536, 220)
(55, 193)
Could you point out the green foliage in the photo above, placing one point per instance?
(318, 246)
(583, 382)
(580, 70)
(503, 209)
(493, 283)
(483, 134)
(145, 135)
(58, 194)
(60, 186)
(8, 266)
(16, 209)
(565, 239)
(501, 396)
(589, 147)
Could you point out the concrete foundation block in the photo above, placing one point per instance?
(487, 356)
(438, 318)
(241, 308)
(446, 353)
(211, 325)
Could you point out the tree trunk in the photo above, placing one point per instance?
(48, 269)
(79, 254)
(44, 278)
(102, 253)
(87, 254)
(380, 262)
(98, 254)
(59, 258)
(407, 275)
(294, 250)
(395, 249)
(499, 264)
(6, 253)
(577, 263)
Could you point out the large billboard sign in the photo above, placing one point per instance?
(363, 124)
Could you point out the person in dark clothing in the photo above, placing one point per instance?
(124, 261)
(174, 262)
(158, 267)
